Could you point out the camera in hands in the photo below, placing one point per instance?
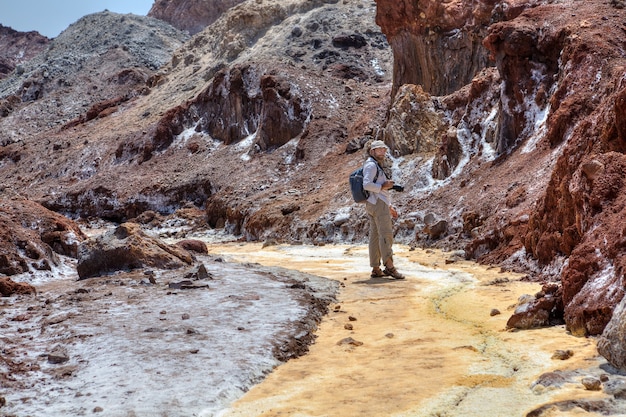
(398, 188)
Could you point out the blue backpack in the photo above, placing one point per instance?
(356, 185)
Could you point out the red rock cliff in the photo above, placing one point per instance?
(438, 44)
(580, 216)
(561, 58)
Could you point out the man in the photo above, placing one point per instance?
(380, 211)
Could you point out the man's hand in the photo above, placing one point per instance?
(387, 185)
(393, 212)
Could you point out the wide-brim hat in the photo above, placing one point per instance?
(378, 144)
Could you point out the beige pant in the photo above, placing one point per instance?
(381, 232)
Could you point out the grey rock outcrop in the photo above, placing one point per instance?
(612, 342)
(414, 124)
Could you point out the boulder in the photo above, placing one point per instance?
(126, 248)
(193, 245)
(32, 236)
(434, 227)
(9, 287)
(543, 309)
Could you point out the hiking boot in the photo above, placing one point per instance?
(393, 273)
(377, 273)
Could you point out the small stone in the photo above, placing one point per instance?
(98, 409)
(3, 401)
(58, 355)
(550, 379)
(349, 341)
(270, 242)
(389, 335)
(562, 354)
(604, 377)
(163, 312)
(348, 326)
(185, 316)
(153, 330)
(494, 312)
(351, 318)
(202, 273)
(194, 351)
(192, 331)
(592, 383)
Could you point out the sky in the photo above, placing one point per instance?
(51, 17)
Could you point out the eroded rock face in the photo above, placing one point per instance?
(593, 281)
(556, 96)
(32, 236)
(528, 60)
(238, 103)
(190, 15)
(126, 248)
(581, 214)
(414, 124)
(438, 45)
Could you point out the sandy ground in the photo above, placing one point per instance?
(425, 346)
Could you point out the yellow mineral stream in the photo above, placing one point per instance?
(428, 345)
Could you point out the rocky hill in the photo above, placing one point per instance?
(191, 16)
(504, 119)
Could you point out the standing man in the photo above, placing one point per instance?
(379, 211)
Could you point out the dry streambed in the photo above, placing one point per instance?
(148, 343)
(144, 344)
